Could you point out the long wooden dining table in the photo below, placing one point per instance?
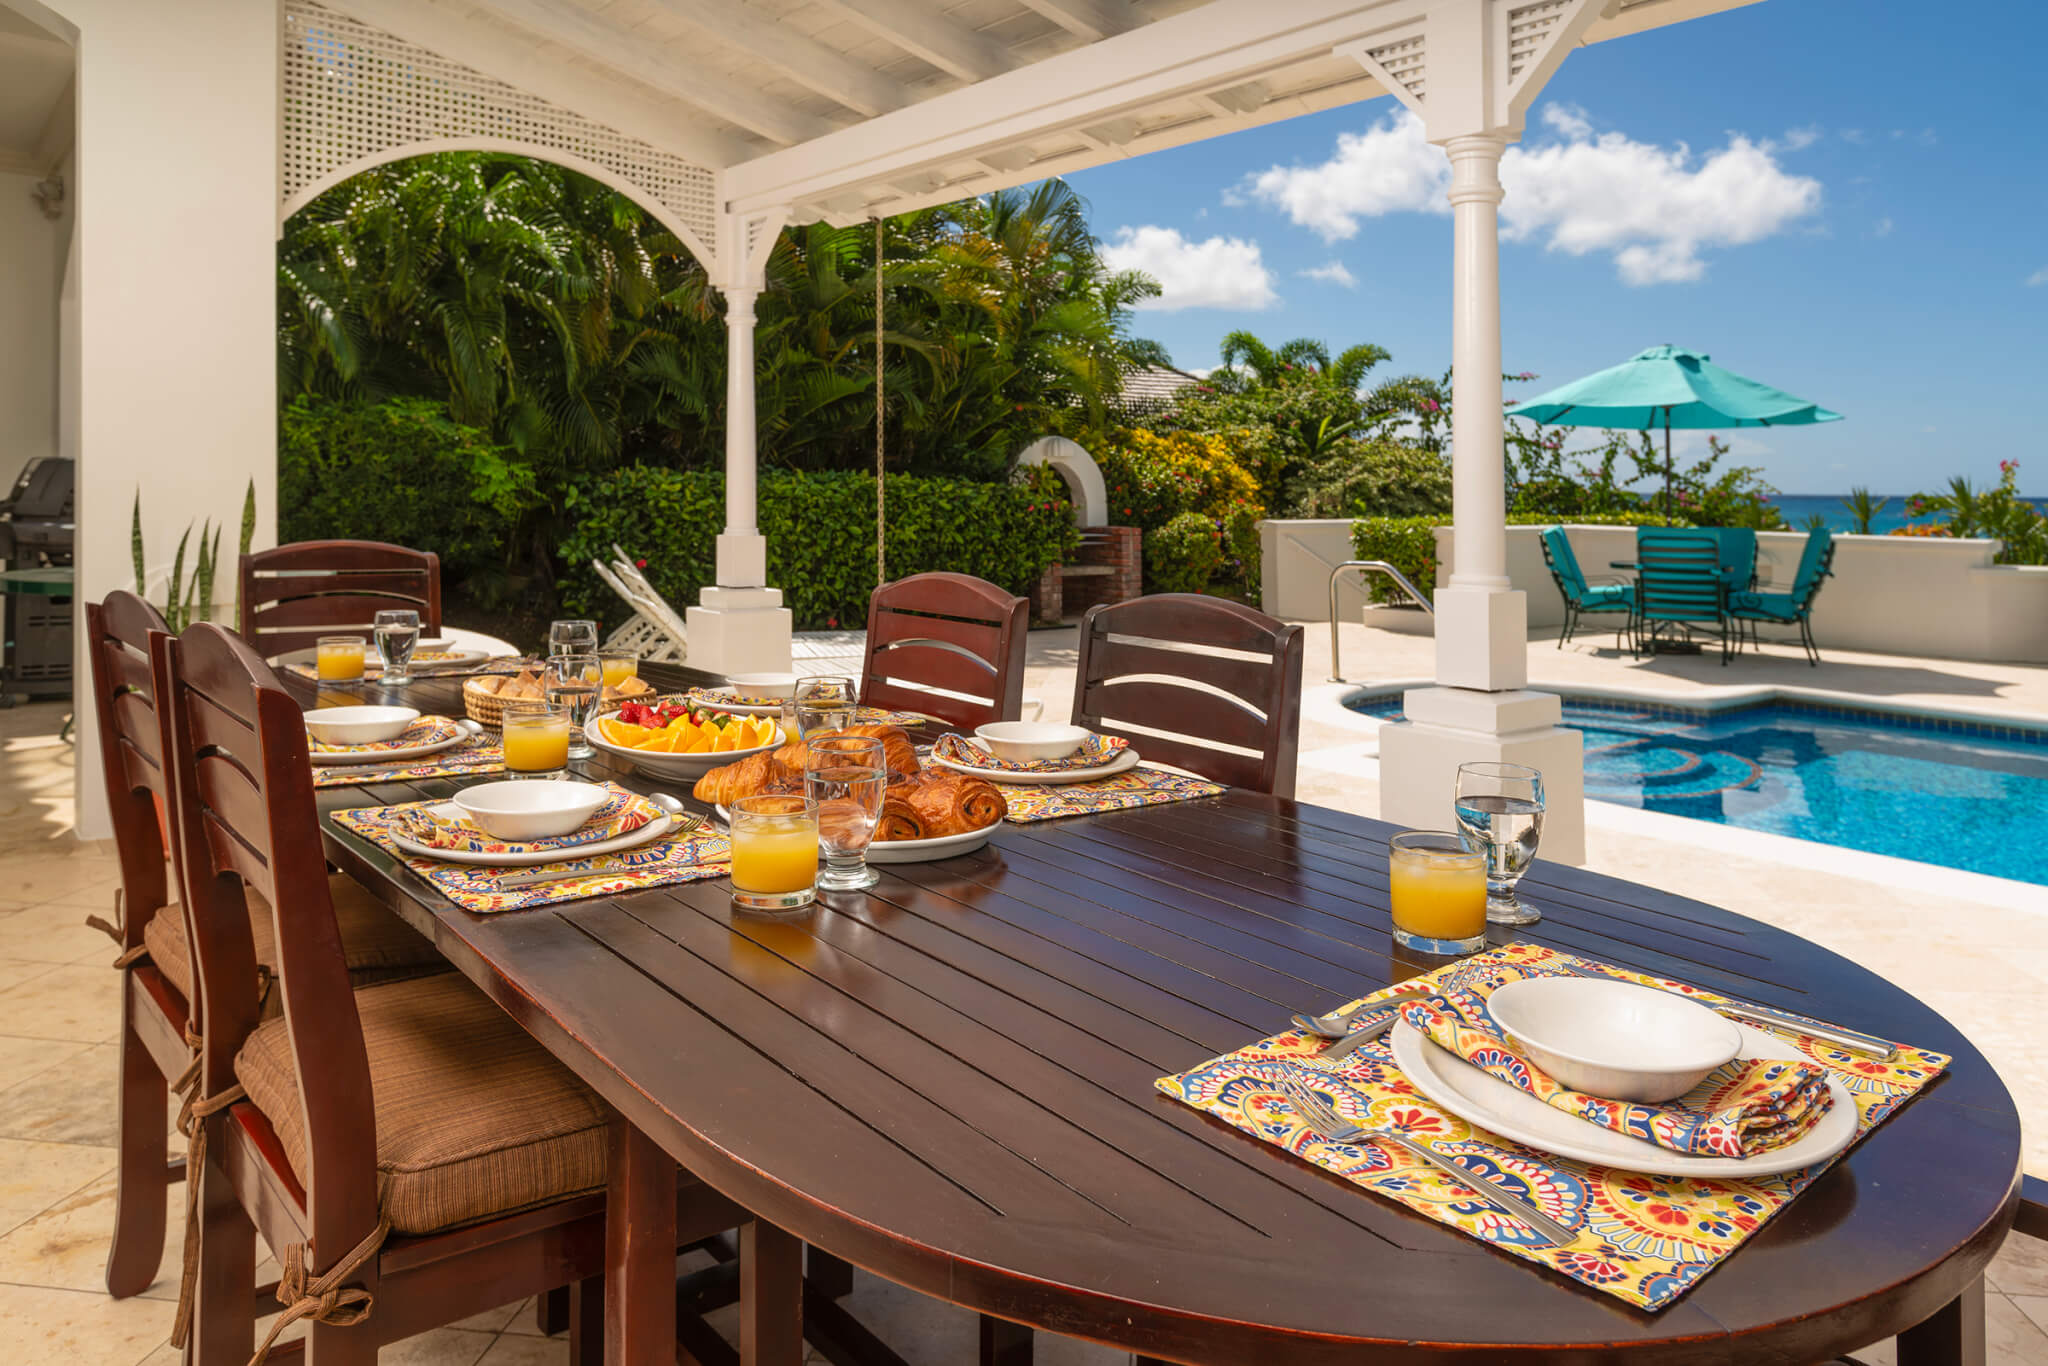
(948, 1080)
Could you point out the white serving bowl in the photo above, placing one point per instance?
(1026, 742)
(674, 766)
(528, 809)
(359, 725)
(782, 687)
(1612, 1038)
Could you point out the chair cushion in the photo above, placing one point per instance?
(474, 1119)
(1608, 597)
(1769, 606)
(376, 944)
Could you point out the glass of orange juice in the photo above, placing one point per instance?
(618, 667)
(774, 852)
(536, 740)
(1438, 888)
(338, 659)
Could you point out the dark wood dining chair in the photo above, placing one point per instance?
(1196, 682)
(409, 1153)
(948, 645)
(159, 1009)
(293, 595)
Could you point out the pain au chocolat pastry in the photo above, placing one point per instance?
(953, 803)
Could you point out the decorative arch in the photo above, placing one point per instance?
(356, 97)
(1078, 468)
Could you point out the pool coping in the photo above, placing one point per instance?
(1323, 704)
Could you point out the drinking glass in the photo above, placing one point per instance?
(338, 659)
(774, 852)
(1500, 811)
(536, 740)
(572, 637)
(1438, 890)
(846, 776)
(575, 682)
(397, 635)
(618, 667)
(824, 703)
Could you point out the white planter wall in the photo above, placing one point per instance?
(1942, 599)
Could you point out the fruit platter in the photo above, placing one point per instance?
(664, 738)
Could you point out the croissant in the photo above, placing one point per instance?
(953, 803)
(755, 774)
(897, 751)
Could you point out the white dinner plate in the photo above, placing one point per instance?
(1125, 761)
(646, 834)
(399, 756)
(912, 851)
(1485, 1100)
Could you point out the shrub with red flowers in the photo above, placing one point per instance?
(1998, 512)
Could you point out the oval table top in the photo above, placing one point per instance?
(948, 1080)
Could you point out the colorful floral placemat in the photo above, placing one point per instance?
(1644, 1239)
(684, 857)
(1141, 786)
(480, 756)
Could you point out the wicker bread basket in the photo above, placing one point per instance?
(483, 705)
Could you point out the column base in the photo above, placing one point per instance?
(1482, 638)
(739, 631)
(1445, 727)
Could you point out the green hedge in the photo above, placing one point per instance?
(399, 471)
(1183, 555)
(1409, 544)
(821, 534)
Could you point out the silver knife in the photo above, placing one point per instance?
(1848, 1040)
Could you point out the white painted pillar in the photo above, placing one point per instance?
(177, 201)
(739, 624)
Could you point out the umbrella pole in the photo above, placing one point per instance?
(1667, 464)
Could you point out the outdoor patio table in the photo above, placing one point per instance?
(949, 1081)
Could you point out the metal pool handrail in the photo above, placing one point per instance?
(1367, 567)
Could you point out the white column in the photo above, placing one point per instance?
(1480, 708)
(177, 202)
(740, 625)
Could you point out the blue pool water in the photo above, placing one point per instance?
(1952, 793)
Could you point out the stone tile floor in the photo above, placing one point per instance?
(59, 1010)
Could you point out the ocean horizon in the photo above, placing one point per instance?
(1796, 508)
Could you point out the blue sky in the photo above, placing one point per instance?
(1845, 198)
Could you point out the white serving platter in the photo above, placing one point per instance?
(1479, 1098)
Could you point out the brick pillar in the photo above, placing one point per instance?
(1046, 597)
(1127, 557)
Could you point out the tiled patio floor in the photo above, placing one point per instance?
(59, 1012)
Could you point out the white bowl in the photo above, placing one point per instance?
(782, 687)
(1027, 742)
(359, 725)
(1612, 1038)
(529, 809)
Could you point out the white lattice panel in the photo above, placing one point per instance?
(353, 93)
(1405, 61)
(1529, 28)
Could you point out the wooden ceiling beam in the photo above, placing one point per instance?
(925, 33)
(803, 59)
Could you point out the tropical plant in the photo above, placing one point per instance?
(1998, 512)
(1863, 509)
(187, 602)
(1183, 555)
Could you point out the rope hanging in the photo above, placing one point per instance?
(881, 573)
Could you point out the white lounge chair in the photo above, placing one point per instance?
(655, 630)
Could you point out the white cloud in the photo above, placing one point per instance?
(1216, 272)
(1331, 273)
(1883, 228)
(2038, 278)
(1855, 135)
(1798, 139)
(1652, 208)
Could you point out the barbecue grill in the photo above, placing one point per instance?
(37, 532)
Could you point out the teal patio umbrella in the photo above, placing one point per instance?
(1668, 387)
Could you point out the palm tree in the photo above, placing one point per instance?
(1863, 509)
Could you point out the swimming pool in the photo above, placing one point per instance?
(1960, 794)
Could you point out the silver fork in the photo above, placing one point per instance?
(1327, 1124)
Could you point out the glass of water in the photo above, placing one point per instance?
(846, 776)
(572, 638)
(1500, 814)
(574, 682)
(397, 635)
(824, 703)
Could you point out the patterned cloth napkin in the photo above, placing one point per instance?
(1744, 1108)
(427, 730)
(676, 857)
(482, 755)
(1141, 786)
(1099, 750)
(443, 826)
(1643, 1239)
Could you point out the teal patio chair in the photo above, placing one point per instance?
(1679, 584)
(1793, 608)
(1738, 557)
(1580, 597)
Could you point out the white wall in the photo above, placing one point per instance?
(31, 265)
(176, 250)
